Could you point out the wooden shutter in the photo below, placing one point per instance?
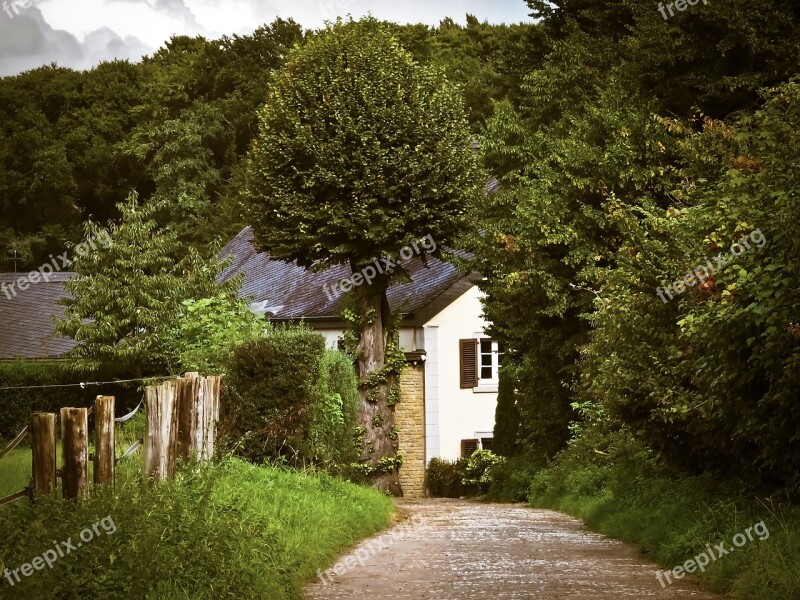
(468, 356)
(468, 447)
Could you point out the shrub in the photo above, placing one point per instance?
(273, 385)
(204, 334)
(291, 399)
(506, 416)
(444, 479)
(477, 471)
(511, 479)
(334, 418)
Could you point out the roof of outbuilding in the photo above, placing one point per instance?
(26, 319)
(291, 292)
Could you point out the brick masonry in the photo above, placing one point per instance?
(410, 421)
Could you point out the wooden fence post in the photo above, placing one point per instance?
(162, 431)
(209, 403)
(43, 431)
(188, 412)
(198, 415)
(75, 456)
(104, 440)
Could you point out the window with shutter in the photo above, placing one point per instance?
(468, 447)
(468, 355)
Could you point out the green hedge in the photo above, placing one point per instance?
(16, 406)
(293, 400)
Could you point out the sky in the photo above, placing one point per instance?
(81, 33)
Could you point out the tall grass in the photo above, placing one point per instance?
(632, 497)
(234, 530)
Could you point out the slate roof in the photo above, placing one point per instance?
(26, 320)
(287, 291)
(291, 292)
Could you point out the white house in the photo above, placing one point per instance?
(442, 326)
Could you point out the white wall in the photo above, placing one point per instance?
(332, 337)
(461, 413)
(410, 338)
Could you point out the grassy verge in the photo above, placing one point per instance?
(627, 494)
(15, 471)
(231, 531)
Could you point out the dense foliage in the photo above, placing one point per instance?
(177, 126)
(206, 331)
(130, 291)
(640, 149)
(291, 400)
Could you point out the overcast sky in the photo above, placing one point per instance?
(81, 33)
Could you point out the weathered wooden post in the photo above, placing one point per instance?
(188, 411)
(198, 415)
(43, 431)
(74, 450)
(162, 431)
(209, 403)
(104, 440)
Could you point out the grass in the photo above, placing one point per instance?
(15, 472)
(675, 518)
(233, 530)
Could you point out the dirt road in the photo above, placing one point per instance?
(455, 549)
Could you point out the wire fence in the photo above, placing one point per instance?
(182, 415)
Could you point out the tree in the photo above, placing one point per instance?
(506, 415)
(129, 291)
(361, 152)
(618, 176)
(204, 337)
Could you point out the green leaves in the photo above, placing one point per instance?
(128, 296)
(360, 149)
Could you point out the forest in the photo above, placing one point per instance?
(639, 259)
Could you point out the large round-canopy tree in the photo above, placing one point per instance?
(361, 152)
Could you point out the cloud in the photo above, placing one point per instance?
(27, 41)
(82, 33)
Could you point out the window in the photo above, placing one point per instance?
(480, 359)
(468, 447)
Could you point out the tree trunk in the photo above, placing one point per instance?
(376, 415)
